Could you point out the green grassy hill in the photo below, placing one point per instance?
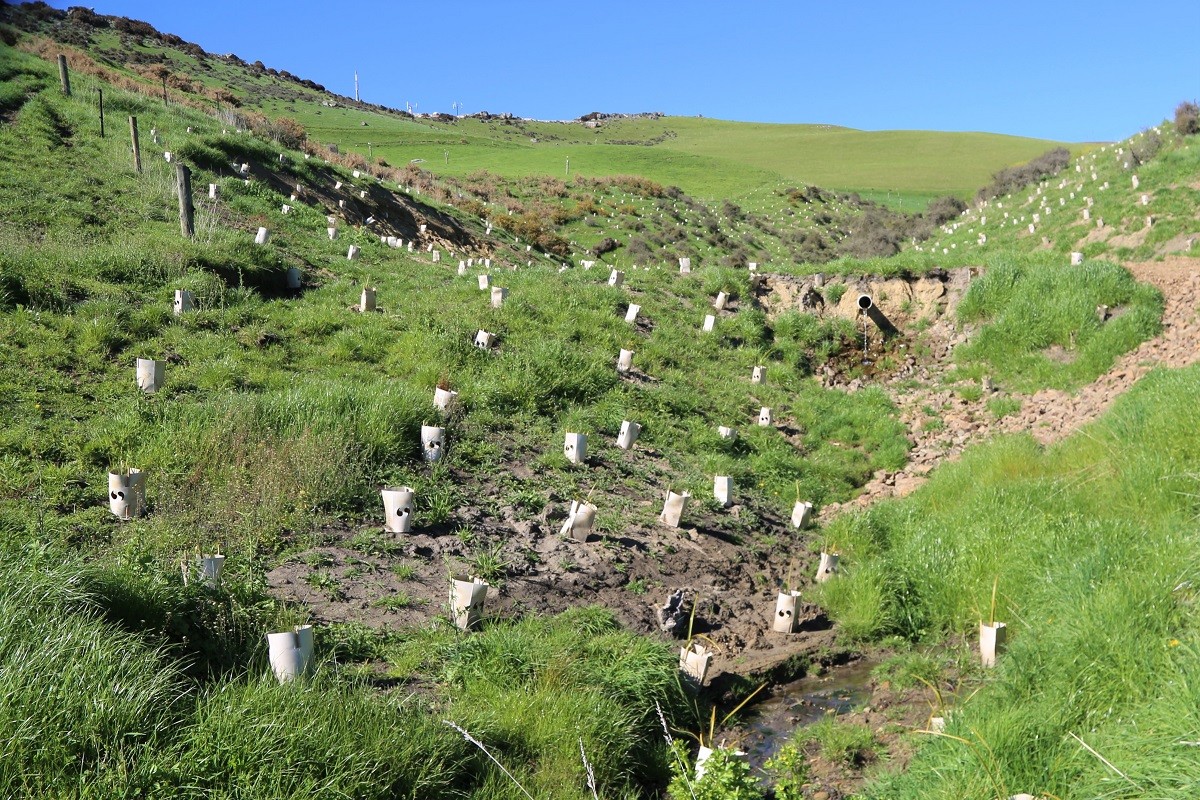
(285, 410)
(282, 414)
(706, 158)
(1133, 200)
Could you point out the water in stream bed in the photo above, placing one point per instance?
(769, 724)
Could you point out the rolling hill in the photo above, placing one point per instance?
(343, 322)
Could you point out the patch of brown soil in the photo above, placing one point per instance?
(361, 573)
(942, 424)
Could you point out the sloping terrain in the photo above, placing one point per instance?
(711, 159)
(303, 379)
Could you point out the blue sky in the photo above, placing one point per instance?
(1056, 70)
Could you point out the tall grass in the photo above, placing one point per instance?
(1029, 305)
(1092, 545)
(77, 697)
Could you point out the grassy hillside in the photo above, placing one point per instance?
(1092, 206)
(1092, 545)
(284, 411)
(707, 158)
(281, 416)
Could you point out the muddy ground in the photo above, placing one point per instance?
(719, 558)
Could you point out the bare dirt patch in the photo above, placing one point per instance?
(1048, 415)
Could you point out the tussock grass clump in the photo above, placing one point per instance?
(77, 697)
(1040, 326)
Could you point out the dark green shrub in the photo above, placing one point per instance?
(1187, 118)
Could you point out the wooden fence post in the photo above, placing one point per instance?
(63, 76)
(187, 210)
(137, 150)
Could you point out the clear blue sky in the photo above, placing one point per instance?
(1071, 71)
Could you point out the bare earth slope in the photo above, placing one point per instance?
(1048, 415)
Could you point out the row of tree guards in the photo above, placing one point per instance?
(291, 652)
(290, 656)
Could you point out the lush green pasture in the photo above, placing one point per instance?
(1092, 548)
(708, 158)
(282, 412)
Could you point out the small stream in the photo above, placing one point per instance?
(769, 724)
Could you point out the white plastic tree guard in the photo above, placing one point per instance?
(575, 447)
(483, 339)
(785, 612)
(292, 278)
(485, 282)
(726, 432)
(628, 435)
(624, 361)
(828, 567)
(694, 661)
(127, 493)
(499, 294)
(462, 268)
(207, 569)
(332, 233)
(262, 236)
(719, 303)
(291, 652)
(709, 321)
(616, 278)
(673, 508)
(1076, 259)
(802, 514)
(150, 374)
(184, 301)
(353, 252)
(764, 416)
(992, 640)
(433, 442)
(702, 757)
(285, 209)
(466, 600)
(631, 314)
(367, 301)
(397, 508)
(723, 490)
(437, 256)
(212, 191)
(581, 520)
(685, 265)
(758, 375)
(443, 398)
